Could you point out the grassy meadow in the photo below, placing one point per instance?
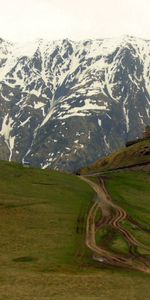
(42, 218)
(42, 246)
(131, 191)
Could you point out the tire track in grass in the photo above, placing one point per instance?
(105, 203)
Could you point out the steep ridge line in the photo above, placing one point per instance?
(105, 204)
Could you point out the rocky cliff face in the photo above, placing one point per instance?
(64, 104)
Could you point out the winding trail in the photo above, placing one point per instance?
(112, 215)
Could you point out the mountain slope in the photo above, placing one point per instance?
(63, 103)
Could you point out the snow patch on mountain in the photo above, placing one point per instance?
(6, 133)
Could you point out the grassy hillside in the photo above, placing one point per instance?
(43, 254)
(135, 154)
(131, 191)
(42, 218)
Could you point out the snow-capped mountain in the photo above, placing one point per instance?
(63, 104)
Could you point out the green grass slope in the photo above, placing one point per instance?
(131, 191)
(135, 154)
(42, 218)
(42, 241)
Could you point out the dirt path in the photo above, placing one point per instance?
(112, 215)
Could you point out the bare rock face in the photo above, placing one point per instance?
(63, 104)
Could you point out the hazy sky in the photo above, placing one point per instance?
(74, 19)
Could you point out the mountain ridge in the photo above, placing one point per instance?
(133, 157)
(65, 103)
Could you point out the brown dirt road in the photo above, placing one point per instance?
(112, 215)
